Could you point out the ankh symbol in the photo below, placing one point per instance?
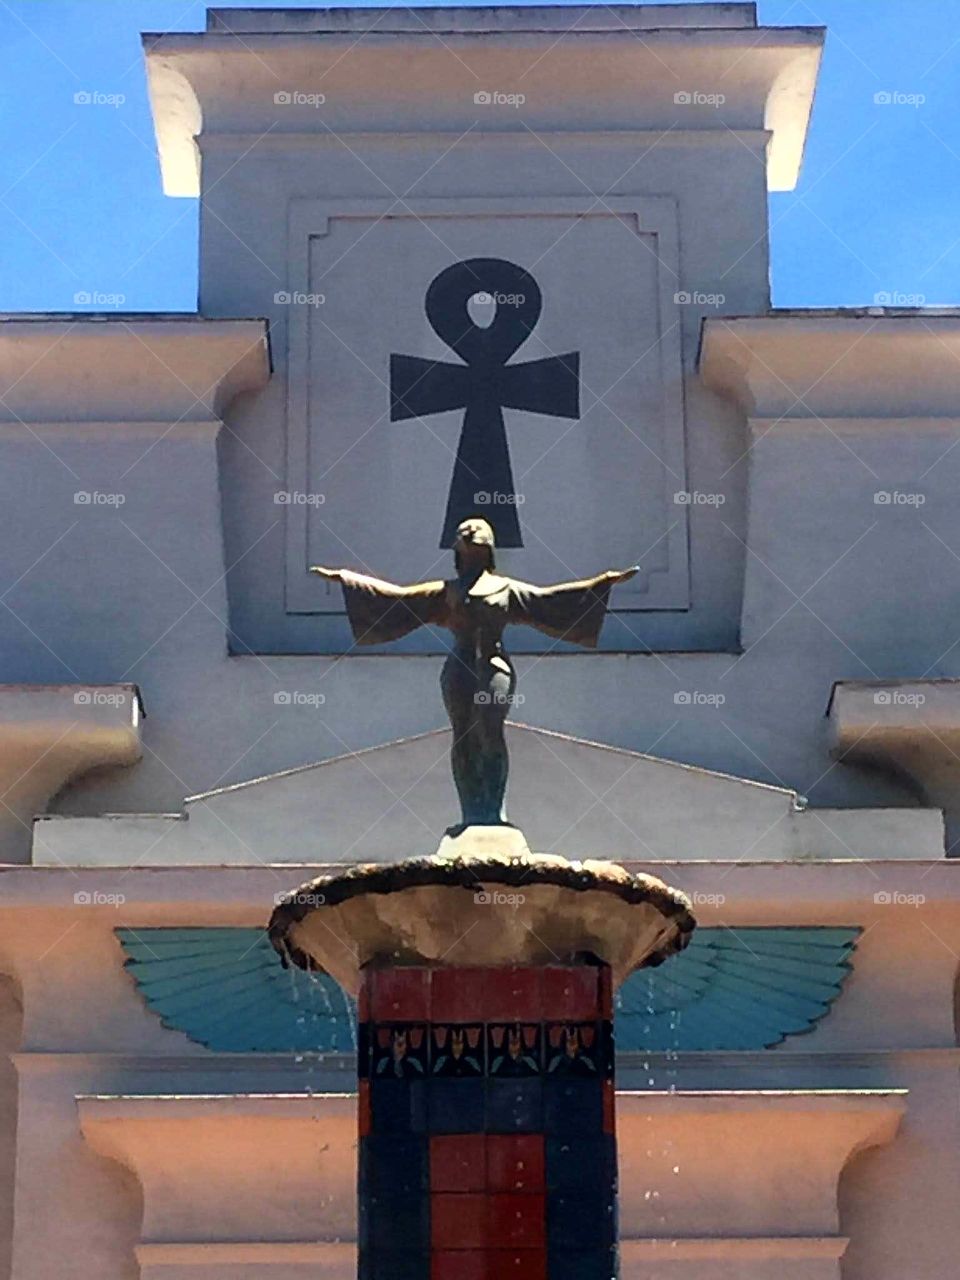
(484, 385)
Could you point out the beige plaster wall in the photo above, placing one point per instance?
(898, 1205)
(11, 1013)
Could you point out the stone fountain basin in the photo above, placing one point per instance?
(480, 909)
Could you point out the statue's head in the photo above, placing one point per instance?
(474, 545)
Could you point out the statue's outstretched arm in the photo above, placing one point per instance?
(609, 578)
(380, 611)
(367, 582)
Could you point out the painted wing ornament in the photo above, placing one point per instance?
(730, 989)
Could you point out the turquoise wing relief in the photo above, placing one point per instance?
(731, 989)
(226, 989)
(735, 989)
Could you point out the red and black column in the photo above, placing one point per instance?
(487, 1146)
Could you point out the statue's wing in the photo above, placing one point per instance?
(735, 989)
(381, 611)
(226, 989)
(572, 611)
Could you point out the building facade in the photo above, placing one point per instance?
(770, 721)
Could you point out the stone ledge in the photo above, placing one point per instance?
(218, 82)
(733, 1258)
(722, 1160)
(128, 368)
(908, 728)
(877, 364)
(225, 1169)
(811, 892)
(257, 1259)
(52, 734)
(758, 1168)
(542, 18)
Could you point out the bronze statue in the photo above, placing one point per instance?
(478, 680)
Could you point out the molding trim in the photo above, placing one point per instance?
(240, 1252)
(733, 1248)
(299, 139)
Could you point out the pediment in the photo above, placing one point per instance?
(568, 795)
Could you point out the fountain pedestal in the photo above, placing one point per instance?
(487, 1123)
(485, 1050)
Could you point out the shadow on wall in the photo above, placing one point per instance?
(912, 1179)
(883, 1243)
(117, 1209)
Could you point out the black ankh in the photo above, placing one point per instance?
(484, 385)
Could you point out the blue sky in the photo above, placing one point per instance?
(876, 211)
